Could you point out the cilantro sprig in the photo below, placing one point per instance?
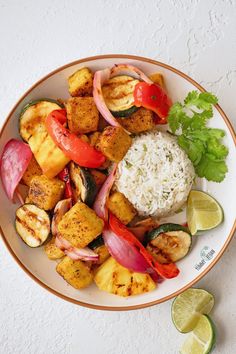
(202, 144)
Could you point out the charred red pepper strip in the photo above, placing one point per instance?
(153, 97)
(65, 177)
(164, 270)
(76, 149)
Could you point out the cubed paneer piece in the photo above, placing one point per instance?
(81, 83)
(120, 206)
(32, 170)
(76, 273)
(140, 121)
(82, 115)
(52, 251)
(45, 192)
(80, 225)
(94, 138)
(114, 143)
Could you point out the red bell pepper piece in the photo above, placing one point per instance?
(65, 177)
(76, 149)
(153, 97)
(165, 270)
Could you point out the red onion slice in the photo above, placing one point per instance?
(101, 199)
(101, 76)
(60, 209)
(14, 161)
(124, 253)
(129, 70)
(84, 254)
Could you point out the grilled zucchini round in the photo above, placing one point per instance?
(83, 184)
(118, 95)
(169, 242)
(33, 115)
(32, 224)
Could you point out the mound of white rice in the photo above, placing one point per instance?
(155, 174)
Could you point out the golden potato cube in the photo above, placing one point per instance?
(45, 192)
(80, 225)
(121, 207)
(81, 83)
(157, 78)
(82, 115)
(52, 251)
(32, 170)
(140, 121)
(114, 143)
(76, 273)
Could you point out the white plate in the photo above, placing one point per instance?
(207, 248)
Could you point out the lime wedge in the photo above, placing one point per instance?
(202, 339)
(188, 307)
(203, 212)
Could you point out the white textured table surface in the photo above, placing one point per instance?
(197, 37)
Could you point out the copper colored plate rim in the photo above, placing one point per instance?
(229, 238)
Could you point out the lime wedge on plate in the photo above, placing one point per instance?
(188, 307)
(202, 339)
(203, 212)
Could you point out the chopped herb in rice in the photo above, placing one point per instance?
(158, 176)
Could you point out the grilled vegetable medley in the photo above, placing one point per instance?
(70, 160)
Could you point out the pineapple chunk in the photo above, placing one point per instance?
(76, 273)
(115, 279)
(52, 251)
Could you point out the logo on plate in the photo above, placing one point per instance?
(206, 255)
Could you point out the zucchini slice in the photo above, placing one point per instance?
(32, 224)
(96, 243)
(33, 115)
(169, 242)
(118, 95)
(83, 184)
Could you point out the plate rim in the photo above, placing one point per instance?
(165, 298)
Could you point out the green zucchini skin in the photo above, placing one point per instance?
(126, 113)
(32, 224)
(169, 242)
(96, 243)
(83, 184)
(151, 235)
(33, 102)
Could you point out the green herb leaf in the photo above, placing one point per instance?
(202, 144)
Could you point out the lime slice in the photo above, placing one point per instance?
(202, 339)
(188, 307)
(203, 212)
